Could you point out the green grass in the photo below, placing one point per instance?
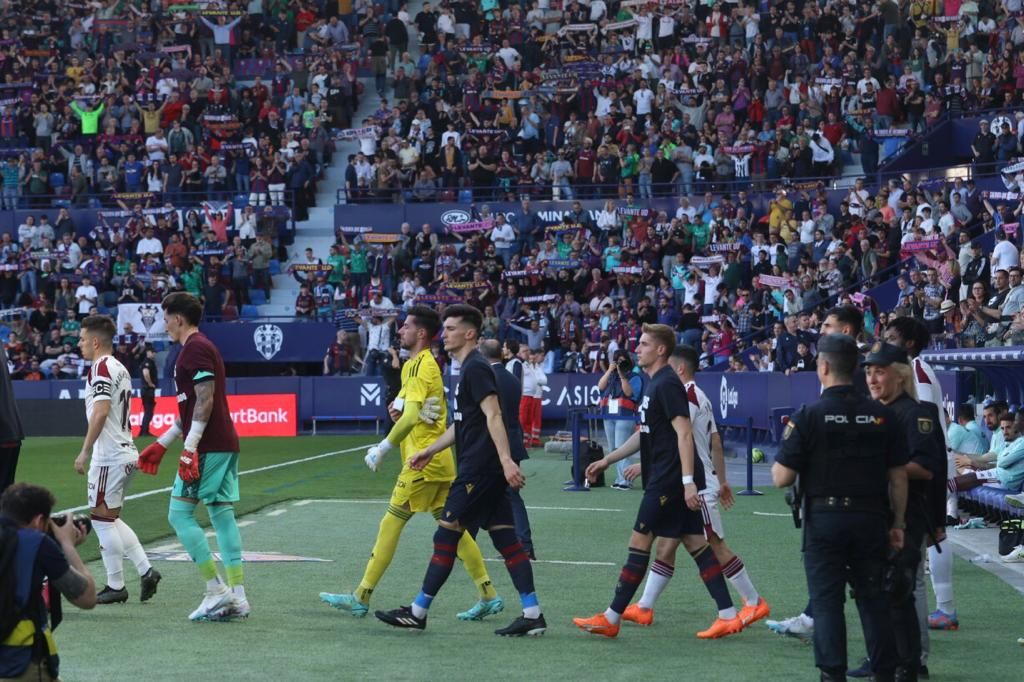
(291, 636)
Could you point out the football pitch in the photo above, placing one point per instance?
(309, 516)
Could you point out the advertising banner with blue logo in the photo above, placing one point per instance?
(736, 398)
(271, 342)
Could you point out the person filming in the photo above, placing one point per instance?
(40, 550)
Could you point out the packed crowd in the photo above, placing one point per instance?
(157, 116)
(584, 99)
(745, 283)
(171, 102)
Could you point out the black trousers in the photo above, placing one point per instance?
(849, 546)
(148, 404)
(8, 464)
(904, 612)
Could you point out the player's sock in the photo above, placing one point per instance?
(383, 550)
(446, 542)
(736, 572)
(421, 604)
(517, 561)
(111, 549)
(473, 562)
(942, 577)
(182, 519)
(629, 579)
(132, 547)
(657, 581)
(229, 541)
(711, 574)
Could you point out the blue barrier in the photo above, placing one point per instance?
(753, 398)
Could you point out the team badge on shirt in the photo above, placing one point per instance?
(924, 425)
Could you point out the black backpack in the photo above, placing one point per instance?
(592, 452)
(1011, 535)
(10, 614)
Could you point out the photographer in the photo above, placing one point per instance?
(38, 550)
(620, 390)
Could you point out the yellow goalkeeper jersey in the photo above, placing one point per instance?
(421, 379)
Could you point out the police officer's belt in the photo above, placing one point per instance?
(861, 504)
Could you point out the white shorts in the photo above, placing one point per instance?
(712, 516)
(107, 484)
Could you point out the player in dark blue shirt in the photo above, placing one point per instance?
(673, 477)
(477, 498)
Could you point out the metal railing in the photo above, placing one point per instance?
(617, 191)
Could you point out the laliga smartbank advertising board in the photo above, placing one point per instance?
(253, 415)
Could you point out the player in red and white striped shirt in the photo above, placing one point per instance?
(108, 394)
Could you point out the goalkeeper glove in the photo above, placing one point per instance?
(149, 458)
(188, 466)
(375, 454)
(430, 411)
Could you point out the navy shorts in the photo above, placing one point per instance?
(666, 515)
(478, 502)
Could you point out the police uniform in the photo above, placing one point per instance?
(919, 428)
(843, 447)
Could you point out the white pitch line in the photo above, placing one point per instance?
(582, 509)
(561, 563)
(158, 491)
(277, 512)
(166, 548)
(757, 513)
(244, 523)
(351, 501)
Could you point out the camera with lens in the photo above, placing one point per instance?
(81, 521)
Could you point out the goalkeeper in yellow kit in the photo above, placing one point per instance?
(422, 420)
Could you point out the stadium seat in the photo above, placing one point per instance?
(258, 296)
(56, 182)
(250, 312)
(241, 200)
(275, 267)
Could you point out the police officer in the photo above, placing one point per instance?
(891, 382)
(845, 448)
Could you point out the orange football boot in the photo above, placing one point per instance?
(635, 613)
(722, 628)
(597, 625)
(751, 614)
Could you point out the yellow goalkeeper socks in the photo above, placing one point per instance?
(473, 560)
(383, 550)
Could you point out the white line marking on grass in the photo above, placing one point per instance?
(770, 514)
(303, 460)
(244, 523)
(559, 562)
(582, 509)
(166, 548)
(350, 501)
(277, 512)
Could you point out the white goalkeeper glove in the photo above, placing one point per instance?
(375, 454)
(430, 411)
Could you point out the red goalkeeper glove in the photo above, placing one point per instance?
(149, 458)
(188, 466)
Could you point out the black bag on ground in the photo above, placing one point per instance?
(1011, 535)
(592, 451)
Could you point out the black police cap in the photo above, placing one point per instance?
(885, 354)
(843, 344)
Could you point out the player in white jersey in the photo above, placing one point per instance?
(708, 446)
(911, 334)
(108, 442)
